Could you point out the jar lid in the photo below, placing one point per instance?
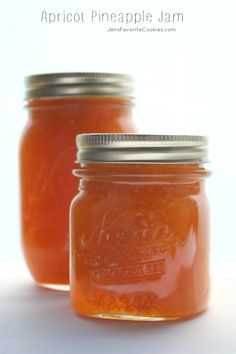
(139, 148)
(79, 84)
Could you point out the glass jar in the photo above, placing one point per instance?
(60, 106)
(140, 227)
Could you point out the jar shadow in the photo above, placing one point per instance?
(39, 316)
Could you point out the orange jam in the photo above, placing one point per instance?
(139, 230)
(47, 155)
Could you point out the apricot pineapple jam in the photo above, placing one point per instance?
(60, 106)
(139, 227)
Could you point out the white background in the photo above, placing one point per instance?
(186, 84)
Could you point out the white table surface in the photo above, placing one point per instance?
(38, 321)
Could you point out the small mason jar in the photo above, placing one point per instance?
(139, 227)
(59, 107)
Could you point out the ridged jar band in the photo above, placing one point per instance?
(140, 148)
(79, 84)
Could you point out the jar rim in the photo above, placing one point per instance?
(144, 176)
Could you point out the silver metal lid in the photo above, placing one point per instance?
(138, 148)
(79, 84)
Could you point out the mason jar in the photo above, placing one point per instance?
(59, 107)
(139, 227)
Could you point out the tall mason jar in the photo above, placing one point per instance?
(59, 107)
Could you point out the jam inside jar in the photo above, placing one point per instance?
(140, 228)
(61, 106)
